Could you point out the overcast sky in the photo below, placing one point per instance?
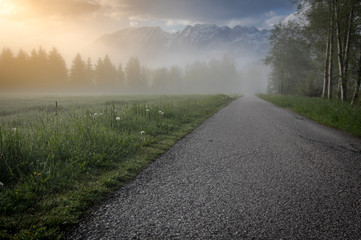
(71, 23)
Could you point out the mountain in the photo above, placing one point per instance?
(201, 40)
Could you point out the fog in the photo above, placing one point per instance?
(102, 30)
(131, 64)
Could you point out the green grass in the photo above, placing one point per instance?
(61, 160)
(333, 113)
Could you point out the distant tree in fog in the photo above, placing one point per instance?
(41, 68)
(161, 80)
(21, 74)
(134, 77)
(120, 76)
(89, 70)
(105, 74)
(7, 68)
(57, 71)
(78, 74)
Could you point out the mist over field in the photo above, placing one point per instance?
(201, 59)
(136, 47)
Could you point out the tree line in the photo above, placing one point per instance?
(40, 70)
(320, 54)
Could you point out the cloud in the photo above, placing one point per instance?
(198, 10)
(55, 8)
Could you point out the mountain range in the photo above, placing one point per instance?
(193, 42)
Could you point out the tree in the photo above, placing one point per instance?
(120, 76)
(337, 24)
(160, 83)
(134, 77)
(78, 74)
(290, 59)
(57, 71)
(7, 69)
(106, 74)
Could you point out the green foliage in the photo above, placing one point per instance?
(332, 113)
(291, 62)
(58, 162)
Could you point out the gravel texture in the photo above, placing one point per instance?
(252, 171)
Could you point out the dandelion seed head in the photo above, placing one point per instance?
(118, 119)
(147, 110)
(95, 114)
(13, 130)
(142, 132)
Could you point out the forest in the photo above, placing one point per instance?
(47, 71)
(319, 54)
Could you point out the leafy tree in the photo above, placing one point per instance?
(290, 59)
(334, 29)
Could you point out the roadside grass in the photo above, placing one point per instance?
(333, 113)
(57, 161)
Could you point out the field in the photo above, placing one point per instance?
(60, 155)
(333, 113)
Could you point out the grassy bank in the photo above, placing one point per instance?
(58, 159)
(333, 113)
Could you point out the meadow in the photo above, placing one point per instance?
(60, 155)
(330, 112)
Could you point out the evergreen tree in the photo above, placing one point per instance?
(106, 74)
(78, 75)
(58, 72)
(22, 69)
(134, 77)
(90, 72)
(120, 76)
(7, 69)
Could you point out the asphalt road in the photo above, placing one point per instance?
(252, 171)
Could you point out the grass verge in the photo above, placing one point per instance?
(56, 163)
(332, 113)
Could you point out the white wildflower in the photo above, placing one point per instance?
(160, 112)
(118, 119)
(142, 132)
(95, 114)
(13, 130)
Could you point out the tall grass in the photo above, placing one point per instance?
(55, 162)
(333, 113)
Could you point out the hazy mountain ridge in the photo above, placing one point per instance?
(154, 43)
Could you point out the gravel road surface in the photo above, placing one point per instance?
(252, 171)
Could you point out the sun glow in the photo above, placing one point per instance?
(7, 8)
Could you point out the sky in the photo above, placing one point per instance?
(71, 24)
